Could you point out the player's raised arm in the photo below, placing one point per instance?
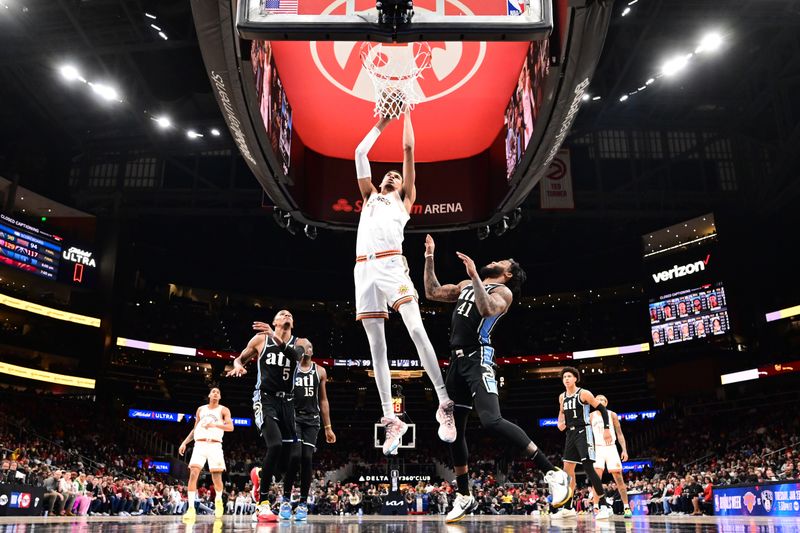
(433, 289)
(363, 171)
(250, 351)
(409, 172)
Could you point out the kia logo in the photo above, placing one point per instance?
(452, 63)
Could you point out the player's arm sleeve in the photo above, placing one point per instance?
(295, 352)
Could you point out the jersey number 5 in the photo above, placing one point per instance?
(286, 373)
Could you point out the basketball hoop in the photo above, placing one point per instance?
(394, 70)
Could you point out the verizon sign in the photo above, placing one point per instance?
(682, 270)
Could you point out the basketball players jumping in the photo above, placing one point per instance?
(608, 456)
(480, 303)
(211, 421)
(277, 354)
(573, 417)
(381, 278)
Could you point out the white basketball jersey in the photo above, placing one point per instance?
(205, 415)
(597, 428)
(380, 228)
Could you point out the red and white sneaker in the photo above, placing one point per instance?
(447, 424)
(395, 429)
(264, 513)
(255, 479)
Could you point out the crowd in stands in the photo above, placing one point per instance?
(198, 318)
(88, 465)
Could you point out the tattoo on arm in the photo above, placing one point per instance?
(488, 304)
(434, 290)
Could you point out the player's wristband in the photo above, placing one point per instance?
(428, 255)
(328, 426)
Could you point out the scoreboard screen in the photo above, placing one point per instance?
(689, 314)
(29, 249)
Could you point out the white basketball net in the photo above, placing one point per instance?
(394, 70)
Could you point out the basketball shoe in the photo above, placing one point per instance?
(395, 429)
(447, 424)
(462, 506)
(563, 514)
(559, 483)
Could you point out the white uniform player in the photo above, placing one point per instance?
(208, 439)
(381, 271)
(606, 457)
(381, 279)
(211, 423)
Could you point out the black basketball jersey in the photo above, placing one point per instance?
(276, 370)
(306, 391)
(576, 413)
(468, 327)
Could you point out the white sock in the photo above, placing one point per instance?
(427, 355)
(380, 362)
(192, 494)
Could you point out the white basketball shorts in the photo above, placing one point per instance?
(382, 282)
(607, 457)
(208, 451)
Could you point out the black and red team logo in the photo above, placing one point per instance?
(24, 500)
(453, 64)
(557, 169)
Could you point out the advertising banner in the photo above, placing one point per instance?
(21, 500)
(774, 499)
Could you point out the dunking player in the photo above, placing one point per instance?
(381, 278)
(573, 417)
(211, 421)
(608, 456)
(310, 401)
(278, 353)
(480, 303)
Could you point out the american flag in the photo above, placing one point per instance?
(281, 7)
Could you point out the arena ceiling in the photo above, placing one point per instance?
(751, 89)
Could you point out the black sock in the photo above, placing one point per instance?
(462, 480)
(542, 461)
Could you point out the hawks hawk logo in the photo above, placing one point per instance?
(452, 63)
(749, 501)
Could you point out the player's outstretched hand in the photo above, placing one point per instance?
(624, 455)
(330, 436)
(182, 449)
(472, 272)
(607, 437)
(263, 327)
(238, 371)
(562, 425)
(430, 246)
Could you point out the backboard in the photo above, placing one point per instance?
(428, 20)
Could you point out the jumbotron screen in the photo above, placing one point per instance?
(689, 314)
(29, 249)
